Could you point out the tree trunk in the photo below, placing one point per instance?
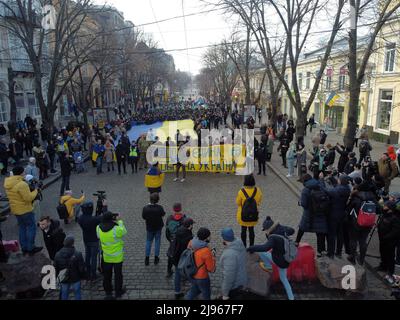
(85, 118)
(301, 125)
(352, 118)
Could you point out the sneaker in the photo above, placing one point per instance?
(263, 267)
(179, 296)
(182, 180)
(35, 250)
(156, 260)
(169, 274)
(389, 279)
(288, 176)
(147, 261)
(176, 179)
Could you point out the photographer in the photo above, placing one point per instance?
(110, 233)
(35, 185)
(72, 205)
(349, 167)
(319, 163)
(388, 170)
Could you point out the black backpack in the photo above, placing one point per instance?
(364, 147)
(249, 209)
(320, 202)
(62, 211)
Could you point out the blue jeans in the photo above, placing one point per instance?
(27, 231)
(266, 257)
(177, 281)
(65, 287)
(91, 252)
(99, 164)
(149, 241)
(199, 286)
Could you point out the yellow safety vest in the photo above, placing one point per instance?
(112, 244)
(133, 152)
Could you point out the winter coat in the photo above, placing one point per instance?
(388, 169)
(173, 217)
(349, 167)
(323, 138)
(88, 224)
(270, 146)
(302, 157)
(70, 203)
(241, 198)
(73, 260)
(19, 195)
(389, 227)
(153, 215)
(66, 167)
(364, 147)
(319, 222)
(262, 151)
(18, 149)
(339, 196)
(121, 152)
(54, 238)
(33, 171)
(109, 152)
(233, 266)
(276, 244)
(343, 159)
(182, 238)
(330, 157)
(203, 257)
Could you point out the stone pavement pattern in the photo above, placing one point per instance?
(210, 200)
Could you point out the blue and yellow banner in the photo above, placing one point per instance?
(333, 97)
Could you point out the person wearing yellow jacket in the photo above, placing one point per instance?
(154, 179)
(20, 199)
(72, 205)
(110, 233)
(248, 191)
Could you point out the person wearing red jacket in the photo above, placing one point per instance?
(204, 258)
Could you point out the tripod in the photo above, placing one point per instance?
(371, 235)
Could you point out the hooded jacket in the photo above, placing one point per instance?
(389, 227)
(178, 218)
(88, 224)
(69, 258)
(70, 202)
(203, 257)
(339, 196)
(54, 238)
(276, 244)
(388, 169)
(233, 266)
(309, 222)
(182, 238)
(110, 234)
(19, 195)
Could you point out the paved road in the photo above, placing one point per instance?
(209, 199)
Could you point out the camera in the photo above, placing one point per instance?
(101, 195)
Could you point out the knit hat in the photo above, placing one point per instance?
(177, 207)
(28, 178)
(227, 234)
(203, 234)
(69, 241)
(187, 222)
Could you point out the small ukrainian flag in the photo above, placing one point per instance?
(333, 97)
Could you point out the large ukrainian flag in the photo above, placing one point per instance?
(333, 97)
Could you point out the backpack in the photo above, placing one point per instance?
(367, 215)
(187, 264)
(249, 209)
(364, 147)
(290, 248)
(320, 202)
(64, 274)
(172, 227)
(62, 210)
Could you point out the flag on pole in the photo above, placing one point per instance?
(333, 97)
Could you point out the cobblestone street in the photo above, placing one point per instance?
(210, 200)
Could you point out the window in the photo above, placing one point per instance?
(300, 81)
(308, 81)
(328, 84)
(19, 100)
(33, 107)
(3, 109)
(390, 56)
(385, 109)
(342, 82)
(285, 110)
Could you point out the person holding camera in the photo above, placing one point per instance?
(20, 199)
(388, 170)
(364, 148)
(72, 205)
(204, 259)
(110, 232)
(53, 235)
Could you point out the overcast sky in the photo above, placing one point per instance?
(202, 30)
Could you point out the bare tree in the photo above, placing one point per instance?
(47, 49)
(224, 71)
(358, 65)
